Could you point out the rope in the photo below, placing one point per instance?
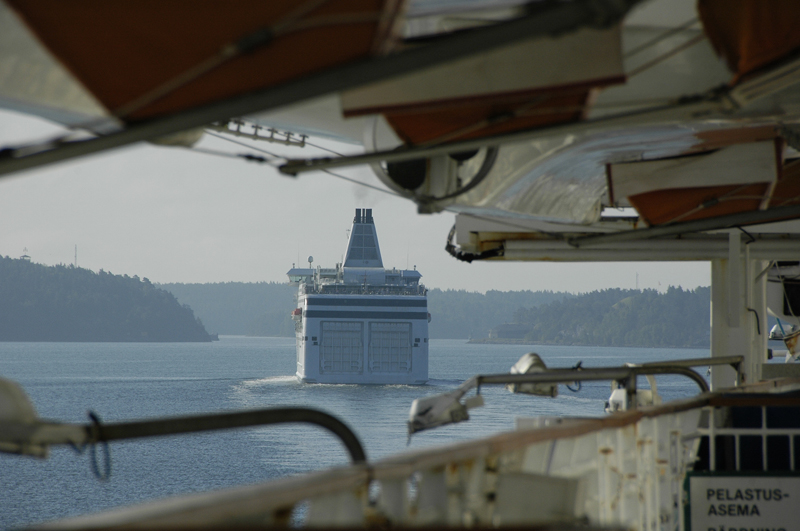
(97, 435)
(578, 366)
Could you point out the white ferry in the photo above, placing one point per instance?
(358, 323)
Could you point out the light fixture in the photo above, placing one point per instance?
(531, 376)
(531, 363)
(446, 408)
(21, 429)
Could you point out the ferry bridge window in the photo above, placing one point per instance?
(390, 347)
(341, 347)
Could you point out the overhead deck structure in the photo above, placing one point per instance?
(583, 130)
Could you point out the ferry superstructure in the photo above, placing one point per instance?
(358, 323)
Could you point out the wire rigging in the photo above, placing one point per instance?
(658, 38)
(246, 156)
(250, 146)
(356, 181)
(663, 57)
(324, 149)
(255, 158)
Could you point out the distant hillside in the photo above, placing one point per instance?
(616, 317)
(264, 308)
(240, 308)
(65, 303)
(459, 314)
(612, 317)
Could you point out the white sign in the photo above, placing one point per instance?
(734, 503)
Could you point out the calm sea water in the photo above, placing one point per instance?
(124, 381)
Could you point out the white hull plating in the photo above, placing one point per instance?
(363, 340)
(359, 323)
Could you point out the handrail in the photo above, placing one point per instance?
(222, 421)
(733, 361)
(210, 508)
(447, 408)
(573, 375)
(33, 437)
(513, 440)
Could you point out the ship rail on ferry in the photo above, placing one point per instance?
(358, 323)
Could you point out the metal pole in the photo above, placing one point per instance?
(700, 225)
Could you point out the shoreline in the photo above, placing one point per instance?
(503, 341)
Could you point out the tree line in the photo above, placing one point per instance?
(240, 308)
(617, 317)
(264, 308)
(612, 317)
(67, 303)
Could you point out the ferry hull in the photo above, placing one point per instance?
(362, 380)
(359, 323)
(363, 344)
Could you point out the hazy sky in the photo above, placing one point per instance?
(173, 215)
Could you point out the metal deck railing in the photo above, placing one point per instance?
(626, 469)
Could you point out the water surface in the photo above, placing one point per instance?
(127, 381)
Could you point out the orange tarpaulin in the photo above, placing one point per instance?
(479, 117)
(751, 34)
(123, 51)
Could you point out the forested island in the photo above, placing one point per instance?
(240, 308)
(264, 308)
(612, 317)
(615, 317)
(67, 303)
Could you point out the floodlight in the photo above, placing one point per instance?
(531, 363)
(438, 410)
(21, 429)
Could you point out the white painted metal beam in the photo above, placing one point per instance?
(706, 247)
